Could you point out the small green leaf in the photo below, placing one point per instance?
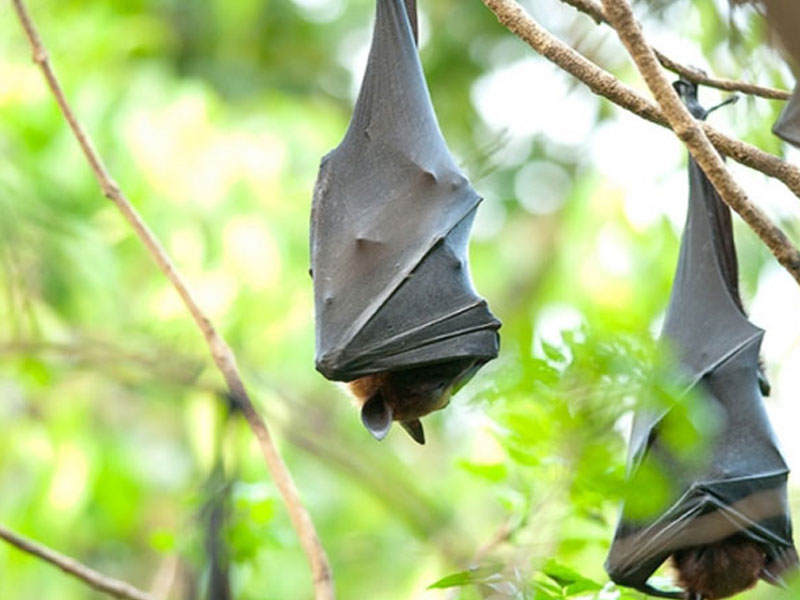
(463, 578)
(163, 540)
(569, 578)
(553, 352)
(494, 472)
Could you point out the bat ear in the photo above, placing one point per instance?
(377, 415)
(414, 429)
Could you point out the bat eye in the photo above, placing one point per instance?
(377, 416)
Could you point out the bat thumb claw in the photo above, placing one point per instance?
(414, 429)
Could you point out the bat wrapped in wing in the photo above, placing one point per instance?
(726, 521)
(396, 312)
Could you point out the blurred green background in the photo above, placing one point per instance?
(115, 445)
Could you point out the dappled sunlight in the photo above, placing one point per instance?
(252, 253)
(191, 160)
(68, 488)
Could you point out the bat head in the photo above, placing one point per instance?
(721, 569)
(407, 395)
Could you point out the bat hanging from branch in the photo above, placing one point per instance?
(396, 312)
(726, 523)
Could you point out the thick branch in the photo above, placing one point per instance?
(601, 82)
(595, 10)
(100, 582)
(690, 131)
(220, 351)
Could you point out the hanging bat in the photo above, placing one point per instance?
(396, 312)
(727, 521)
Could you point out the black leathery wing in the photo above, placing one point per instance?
(740, 487)
(390, 224)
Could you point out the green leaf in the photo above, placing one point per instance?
(553, 352)
(569, 578)
(494, 472)
(464, 578)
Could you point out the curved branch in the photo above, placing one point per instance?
(595, 10)
(691, 133)
(220, 351)
(102, 583)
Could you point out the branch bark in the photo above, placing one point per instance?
(220, 351)
(689, 130)
(102, 583)
(601, 82)
(595, 10)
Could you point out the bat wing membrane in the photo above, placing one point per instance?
(735, 481)
(390, 222)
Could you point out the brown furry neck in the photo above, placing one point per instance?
(412, 393)
(719, 570)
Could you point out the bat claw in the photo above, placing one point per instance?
(414, 429)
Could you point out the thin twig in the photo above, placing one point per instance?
(102, 583)
(729, 85)
(690, 131)
(595, 10)
(601, 82)
(220, 351)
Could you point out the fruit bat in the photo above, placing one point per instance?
(396, 313)
(726, 522)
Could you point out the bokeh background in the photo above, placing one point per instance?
(115, 444)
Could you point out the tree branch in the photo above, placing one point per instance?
(601, 82)
(690, 131)
(220, 351)
(595, 10)
(100, 582)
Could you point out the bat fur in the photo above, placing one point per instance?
(719, 570)
(407, 395)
